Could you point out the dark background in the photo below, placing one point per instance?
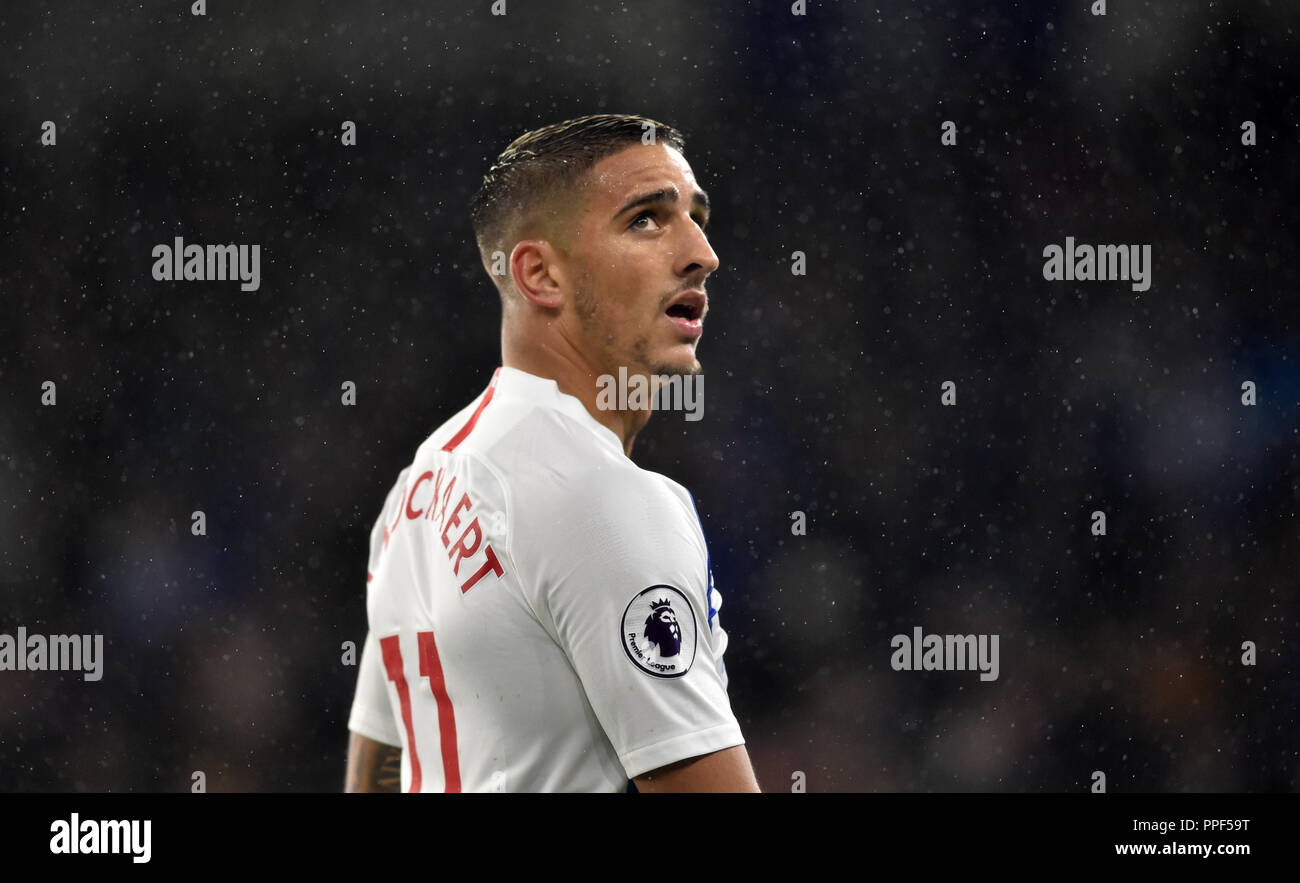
(818, 133)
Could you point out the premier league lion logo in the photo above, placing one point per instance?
(659, 631)
(662, 629)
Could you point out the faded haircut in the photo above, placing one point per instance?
(535, 182)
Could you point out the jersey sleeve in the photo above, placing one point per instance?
(622, 583)
(372, 715)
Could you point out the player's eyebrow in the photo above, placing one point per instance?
(699, 200)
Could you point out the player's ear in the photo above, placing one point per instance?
(538, 273)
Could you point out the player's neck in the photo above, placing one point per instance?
(573, 376)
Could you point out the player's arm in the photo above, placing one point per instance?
(373, 767)
(641, 561)
(726, 770)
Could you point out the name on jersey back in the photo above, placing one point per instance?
(448, 519)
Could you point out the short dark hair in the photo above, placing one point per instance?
(541, 167)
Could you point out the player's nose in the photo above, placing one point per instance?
(696, 255)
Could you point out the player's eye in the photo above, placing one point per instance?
(647, 214)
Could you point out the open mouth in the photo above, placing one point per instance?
(686, 310)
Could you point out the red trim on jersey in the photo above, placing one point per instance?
(469, 427)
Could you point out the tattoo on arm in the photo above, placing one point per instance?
(372, 766)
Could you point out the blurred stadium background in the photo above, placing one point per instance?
(816, 133)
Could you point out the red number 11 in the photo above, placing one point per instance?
(431, 668)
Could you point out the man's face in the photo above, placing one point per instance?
(640, 258)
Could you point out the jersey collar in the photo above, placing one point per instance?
(543, 391)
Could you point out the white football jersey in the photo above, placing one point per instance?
(541, 609)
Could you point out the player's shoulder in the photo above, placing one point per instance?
(564, 462)
(546, 461)
(604, 507)
(423, 458)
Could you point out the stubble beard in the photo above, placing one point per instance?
(586, 307)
